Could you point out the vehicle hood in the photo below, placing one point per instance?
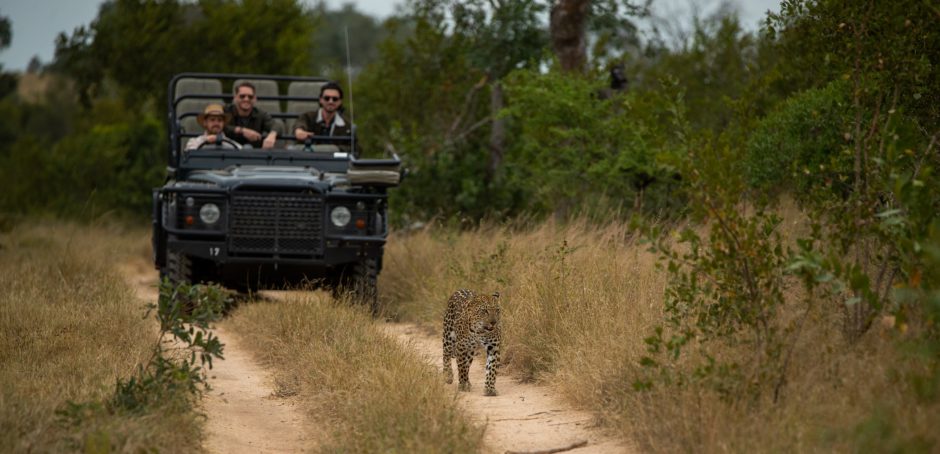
(267, 176)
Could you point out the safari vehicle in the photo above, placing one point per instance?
(254, 219)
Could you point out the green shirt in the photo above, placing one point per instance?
(257, 120)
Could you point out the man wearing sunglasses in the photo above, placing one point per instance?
(250, 125)
(327, 120)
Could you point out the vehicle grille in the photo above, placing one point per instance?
(276, 223)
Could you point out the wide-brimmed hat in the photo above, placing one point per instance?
(213, 109)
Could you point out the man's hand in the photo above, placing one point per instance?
(269, 140)
(212, 138)
(250, 134)
(301, 135)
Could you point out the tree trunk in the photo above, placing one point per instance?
(497, 131)
(567, 28)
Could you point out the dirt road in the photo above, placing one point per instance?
(244, 414)
(524, 417)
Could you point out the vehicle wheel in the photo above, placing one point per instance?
(360, 281)
(178, 269)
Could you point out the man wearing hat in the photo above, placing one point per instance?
(213, 120)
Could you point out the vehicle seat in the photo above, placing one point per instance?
(187, 109)
(297, 107)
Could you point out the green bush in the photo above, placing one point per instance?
(574, 148)
(108, 164)
(803, 144)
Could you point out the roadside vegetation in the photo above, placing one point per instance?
(361, 389)
(733, 246)
(73, 335)
(579, 299)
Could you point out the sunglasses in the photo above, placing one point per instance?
(246, 96)
(330, 98)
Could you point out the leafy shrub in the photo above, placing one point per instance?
(177, 368)
(110, 164)
(573, 148)
(722, 324)
(802, 145)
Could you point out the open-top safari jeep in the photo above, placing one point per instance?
(249, 219)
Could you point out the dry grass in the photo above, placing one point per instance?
(357, 384)
(579, 300)
(70, 326)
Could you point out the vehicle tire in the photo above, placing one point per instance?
(360, 280)
(178, 269)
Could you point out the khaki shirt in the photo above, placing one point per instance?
(194, 142)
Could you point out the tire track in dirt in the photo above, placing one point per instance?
(243, 413)
(524, 417)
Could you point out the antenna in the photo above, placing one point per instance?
(352, 110)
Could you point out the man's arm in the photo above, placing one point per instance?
(194, 142)
(301, 127)
(269, 140)
(267, 129)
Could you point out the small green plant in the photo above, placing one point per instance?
(726, 287)
(182, 354)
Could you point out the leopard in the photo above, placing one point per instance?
(471, 321)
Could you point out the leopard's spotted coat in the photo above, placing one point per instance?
(471, 321)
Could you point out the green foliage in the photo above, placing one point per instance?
(412, 98)
(109, 163)
(859, 152)
(801, 145)
(6, 33)
(182, 354)
(178, 367)
(497, 37)
(726, 287)
(250, 36)
(328, 54)
(141, 45)
(875, 228)
(572, 147)
(882, 48)
(718, 63)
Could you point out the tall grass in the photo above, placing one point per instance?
(581, 298)
(373, 394)
(70, 326)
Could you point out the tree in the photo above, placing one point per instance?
(568, 18)
(6, 32)
(500, 36)
(328, 52)
(140, 45)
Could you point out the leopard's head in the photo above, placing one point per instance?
(484, 313)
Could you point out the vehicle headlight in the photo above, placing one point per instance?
(340, 216)
(209, 213)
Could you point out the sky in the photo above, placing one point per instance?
(36, 23)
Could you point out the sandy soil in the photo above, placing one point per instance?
(245, 415)
(524, 417)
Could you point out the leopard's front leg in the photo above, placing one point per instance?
(464, 359)
(492, 364)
